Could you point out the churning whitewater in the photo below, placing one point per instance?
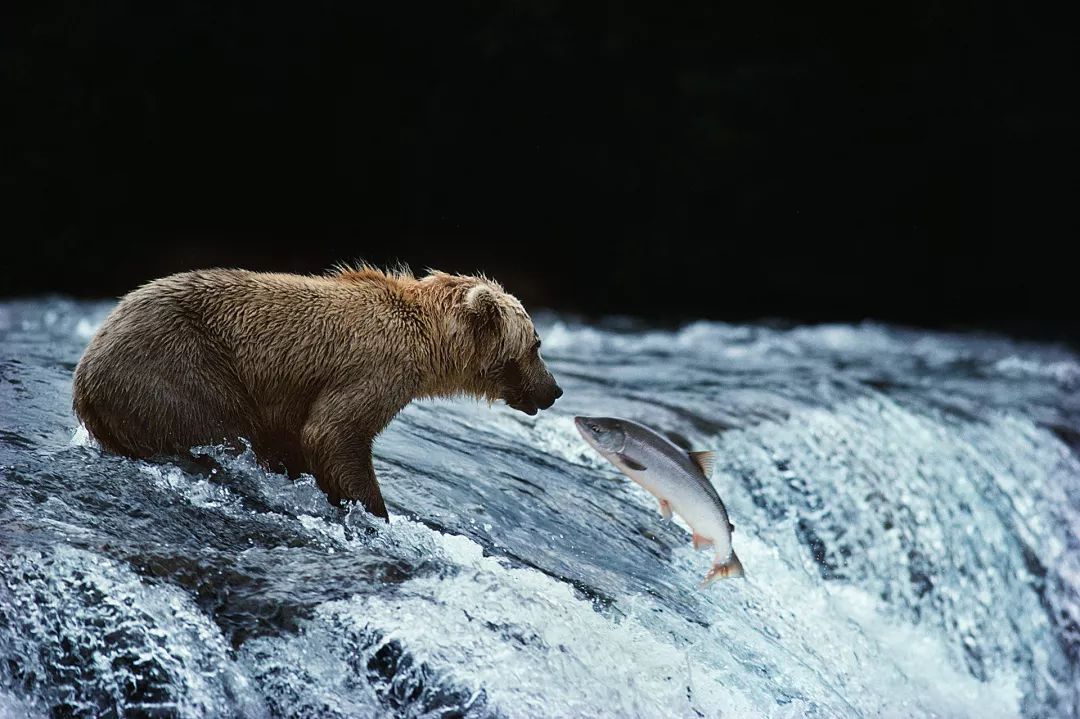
(909, 504)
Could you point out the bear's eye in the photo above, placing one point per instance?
(536, 347)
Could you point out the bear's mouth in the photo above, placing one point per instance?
(525, 396)
(513, 389)
(523, 405)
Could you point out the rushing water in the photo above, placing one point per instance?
(907, 509)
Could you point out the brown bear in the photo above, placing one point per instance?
(308, 369)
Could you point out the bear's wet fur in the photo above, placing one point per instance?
(309, 369)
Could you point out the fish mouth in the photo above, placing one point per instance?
(597, 434)
(581, 423)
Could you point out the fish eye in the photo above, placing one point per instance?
(595, 428)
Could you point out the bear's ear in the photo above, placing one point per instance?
(484, 314)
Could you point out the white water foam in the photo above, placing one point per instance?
(536, 648)
(162, 655)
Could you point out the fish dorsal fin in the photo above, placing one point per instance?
(705, 460)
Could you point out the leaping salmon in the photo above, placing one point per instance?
(679, 479)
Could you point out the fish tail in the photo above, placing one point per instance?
(728, 569)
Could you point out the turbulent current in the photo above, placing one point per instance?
(907, 508)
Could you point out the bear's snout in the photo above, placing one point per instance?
(532, 402)
(548, 397)
(528, 386)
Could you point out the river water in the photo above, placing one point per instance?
(907, 509)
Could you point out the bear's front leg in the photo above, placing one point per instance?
(337, 448)
(347, 473)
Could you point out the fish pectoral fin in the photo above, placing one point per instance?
(704, 460)
(701, 542)
(728, 569)
(665, 509)
(636, 466)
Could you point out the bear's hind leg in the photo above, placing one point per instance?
(146, 393)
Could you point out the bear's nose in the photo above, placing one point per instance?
(548, 398)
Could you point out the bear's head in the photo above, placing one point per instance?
(497, 347)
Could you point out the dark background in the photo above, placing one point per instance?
(900, 161)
